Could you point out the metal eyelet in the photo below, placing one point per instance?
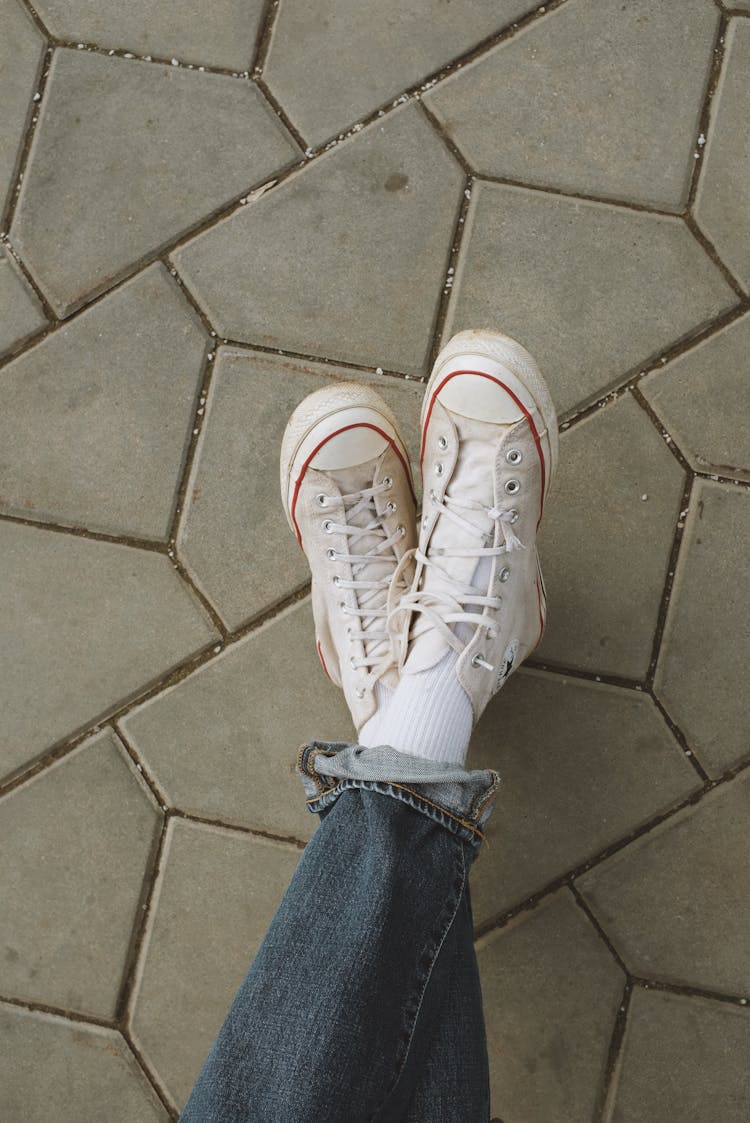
(504, 574)
(328, 526)
(353, 662)
(425, 520)
(442, 443)
(360, 692)
(331, 555)
(390, 506)
(479, 660)
(513, 516)
(433, 495)
(514, 456)
(439, 469)
(321, 500)
(387, 482)
(512, 487)
(337, 581)
(401, 530)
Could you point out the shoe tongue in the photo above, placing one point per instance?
(472, 481)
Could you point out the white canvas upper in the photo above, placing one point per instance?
(347, 493)
(489, 448)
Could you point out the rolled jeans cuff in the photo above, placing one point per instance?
(459, 800)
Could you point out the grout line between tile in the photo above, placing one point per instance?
(320, 360)
(680, 737)
(31, 282)
(563, 671)
(265, 35)
(238, 828)
(283, 116)
(608, 1090)
(41, 27)
(718, 51)
(457, 240)
(687, 991)
(57, 1011)
(150, 1076)
(143, 770)
(712, 253)
(580, 196)
(83, 532)
(33, 115)
(594, 922)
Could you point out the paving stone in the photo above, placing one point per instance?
(676, 903)
(76, 841)
(605, 549)
(551, 991)
(582, 766)
(21, 54)
(83, 625)
(115, 172)
(723, 200)
(218, 895)
(683, 1058)
(601, 97)
(592, 290)
(234, 536)
(223, 743)
(96, 419)
(345, 259)
(87, 1073)
(703, 399)
(364, 56)
(222, 34)
(701, 675)
(22, 312)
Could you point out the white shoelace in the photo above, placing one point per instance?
(371, 595)
(448, 606)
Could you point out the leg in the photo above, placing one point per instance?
(338, 1015)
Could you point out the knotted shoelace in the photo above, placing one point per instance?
(447, 606)
(371, 595)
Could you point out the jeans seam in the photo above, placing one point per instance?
(435, 957)
(417, 795)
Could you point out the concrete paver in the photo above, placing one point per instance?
(708, 625)
(115, 172)
(22, 312)
(223, 34)
(89, 1074)
(84, 624)
(96, 418)
(600, 97)
(214, 881)
(723, 202)
(346, 259)
(21, 54)
(675, 902)
(551, 992)
(683, 1058)
(573, 279)
(605, 548)
(76, 842)
(366, 55)
(576, 177)
(234, 535)
(582, 765)
(703, 399)
(221, 745)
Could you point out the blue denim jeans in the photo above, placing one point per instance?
(363, 1002)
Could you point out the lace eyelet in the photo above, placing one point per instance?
(321, 500)
(514, 516)
(331, 555)
(442, 443)
(390, 507)
(337, 581)
(504, 574)
(401, 530)
(360, 692)
(439, 469)
(353, 662)
(387, 482)
(514, 456)
(513, 487)
(328, 526)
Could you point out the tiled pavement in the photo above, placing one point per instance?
(210, 210)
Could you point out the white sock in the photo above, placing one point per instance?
(429, 715)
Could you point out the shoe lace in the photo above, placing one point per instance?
(371, 593)
(454, 601)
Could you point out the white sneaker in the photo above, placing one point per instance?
(347, 492)
(489, 450)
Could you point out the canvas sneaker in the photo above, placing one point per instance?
(347, 491)
(489, 450)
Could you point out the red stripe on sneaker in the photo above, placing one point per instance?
(316, 450)
(320, 653)
(519, 403)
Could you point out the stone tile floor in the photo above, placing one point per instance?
(209, 211)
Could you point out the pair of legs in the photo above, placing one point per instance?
(364, 1003)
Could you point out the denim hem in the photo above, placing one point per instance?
(459, 800)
